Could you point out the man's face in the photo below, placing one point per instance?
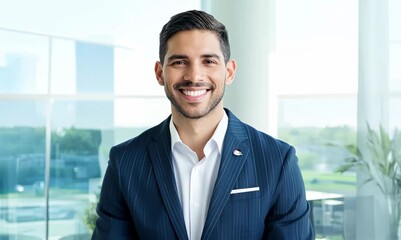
(194, 73)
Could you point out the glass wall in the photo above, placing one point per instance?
(65, 127)
(317, 104)
(314, 70)
(64, 101)
(22, 166)
(394, 65)
(69, 90)
(318, 127)
(314, 73)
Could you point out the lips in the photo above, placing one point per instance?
(195, 93)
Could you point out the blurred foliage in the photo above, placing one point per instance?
(90, 216)
(17, 140)
(74, 157)
(313, 145)
(381, 161)
(32, 140)
(299, 136)
(77, 141)
(318, 157)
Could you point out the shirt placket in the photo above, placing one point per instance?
(196, 201)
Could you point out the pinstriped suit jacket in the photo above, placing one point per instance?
(139, 198)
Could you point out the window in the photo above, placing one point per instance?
(64, 101)
(314, 75)
(317, 106)
(394, 63)
(84, 120)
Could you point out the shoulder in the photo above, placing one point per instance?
(257, 138)
(267, 142)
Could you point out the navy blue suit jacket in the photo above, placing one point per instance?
(139, 197)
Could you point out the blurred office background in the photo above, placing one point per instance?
(76, 77)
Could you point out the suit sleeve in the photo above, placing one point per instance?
(114, 221)
(288, 218)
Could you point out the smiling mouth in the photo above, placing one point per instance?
(195, 93)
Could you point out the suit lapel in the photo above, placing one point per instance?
(160, 154)
(230, 168)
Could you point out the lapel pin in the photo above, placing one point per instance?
(237, 152)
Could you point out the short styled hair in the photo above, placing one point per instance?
(193, 20)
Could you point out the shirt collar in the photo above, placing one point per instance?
(218, 135)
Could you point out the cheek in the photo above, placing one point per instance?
(171, 76)
(220, 77)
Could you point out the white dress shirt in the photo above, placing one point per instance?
(195, 179)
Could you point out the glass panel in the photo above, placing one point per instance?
(136, 115)
(24, 61)
(134, 73)
(141, 112)
(394, 67)
(394, 20)
(63, 72)
(94, 68)
(82, 131)
(395, 113)
(83, 114)
(80, 138)
(318, 128)
(127, 69)
(22, 169)
(82, 134)
(315, 64)
(312, 56)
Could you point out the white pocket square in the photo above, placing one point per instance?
(244, 190)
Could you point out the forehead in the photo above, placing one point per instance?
(194, 41)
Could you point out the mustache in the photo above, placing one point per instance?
(191, 84)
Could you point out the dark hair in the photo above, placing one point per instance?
(193, 20)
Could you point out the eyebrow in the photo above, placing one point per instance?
(180, 56)
(210, 56)
(176, 56)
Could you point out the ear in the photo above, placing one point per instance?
(231, 67)
(159, 73)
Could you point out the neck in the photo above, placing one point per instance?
(195, 133)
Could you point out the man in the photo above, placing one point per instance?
(201, 173)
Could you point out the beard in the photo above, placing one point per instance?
(195, 113)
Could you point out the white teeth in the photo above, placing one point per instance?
(194, 93)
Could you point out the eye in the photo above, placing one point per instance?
(210, 61)
(180, 62)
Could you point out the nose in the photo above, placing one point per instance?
(194, 73)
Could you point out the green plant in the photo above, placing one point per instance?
(90, 216)
(382, 163)
(384, 168)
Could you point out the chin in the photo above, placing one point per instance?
(197, 113)
(194, 115)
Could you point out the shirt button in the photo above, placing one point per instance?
(196, 205)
